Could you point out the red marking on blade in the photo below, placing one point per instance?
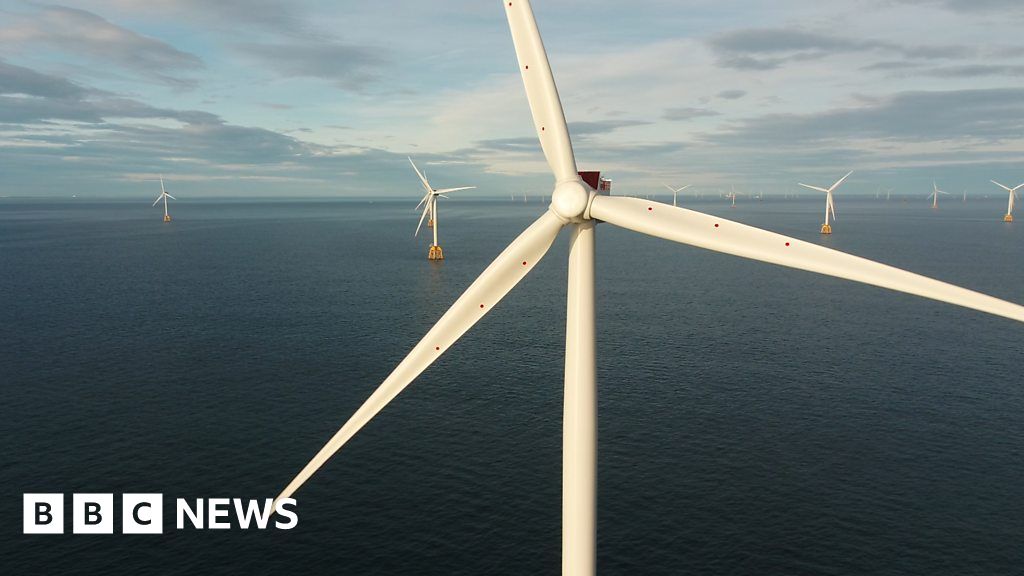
(716, 225)
(527, 66)
(437, 347)
(650, 209)
(787, 243)
(481, 305)
(524, 262)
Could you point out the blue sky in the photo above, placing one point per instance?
(275, 98)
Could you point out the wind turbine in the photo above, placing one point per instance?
(429, 203)
(164, 196)
(577, 206)
(826, 228)
(675, 191)
(935, 194)
(1013, 195)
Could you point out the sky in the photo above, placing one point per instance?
(328, 98)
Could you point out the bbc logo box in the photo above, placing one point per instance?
(43, 514)
(92, 514)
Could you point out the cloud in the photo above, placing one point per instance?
(961, 115)
(685, 113)
(80, 32)
(277, 16)
(347, 66)
(768, 48)
(28, 96)
(100, 141)
(584, 129)
(976, 71)
(16, 80)
(974, 5)
(732, 94)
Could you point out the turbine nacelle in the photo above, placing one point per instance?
(570, 200)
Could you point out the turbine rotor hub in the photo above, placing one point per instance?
(569, 200)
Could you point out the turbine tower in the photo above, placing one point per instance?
(1013, 195)
(164, 196)
(826, 228)
(675, 191)
(429, 203)
(935, 195)
(578, 206)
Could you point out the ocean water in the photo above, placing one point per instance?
(753, 419)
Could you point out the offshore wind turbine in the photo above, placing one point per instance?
(1013, 195)
(830, 206)
(675, 191)
(576, 205)
(164, 196)
(935, 194)
(429, 203)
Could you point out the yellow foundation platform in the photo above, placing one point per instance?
(1008, 218)
(435, 253)
(826, 229)
(167, 218)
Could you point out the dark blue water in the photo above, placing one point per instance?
(753, 420)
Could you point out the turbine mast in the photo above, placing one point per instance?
(579, 434)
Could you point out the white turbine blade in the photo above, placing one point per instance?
(443, 196)
(1017, 187)
(832, 206)
(670, 189)
(840, 181)
(158, 199)
(171, 197)
(713, 233)
(497, 280)
(541, 92)
(161, 183)
(423, 178)
(943, 192)
(422, 216)
(1007, 188)
(447, 190)
(825, 190)
(422, 200)
(684, 187)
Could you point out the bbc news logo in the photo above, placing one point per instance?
(144, 514)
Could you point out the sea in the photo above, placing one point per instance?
(753, 420)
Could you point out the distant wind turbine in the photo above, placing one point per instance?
(1013, 195)
(935, 195)
(830, 206)
(675, 191)
(578, 207)
(429, 203)
(164, 196)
